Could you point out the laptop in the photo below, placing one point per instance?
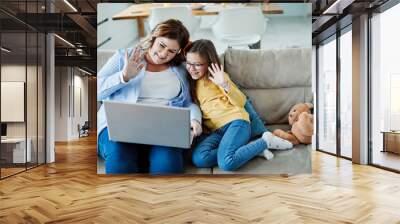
(148, 124)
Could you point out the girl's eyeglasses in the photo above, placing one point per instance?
(196, 66)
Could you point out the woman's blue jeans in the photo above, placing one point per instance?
(228, 147)
(138, 158)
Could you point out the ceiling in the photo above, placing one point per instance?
(76, 26)
(330, 16)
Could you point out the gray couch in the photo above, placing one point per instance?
(274, 80)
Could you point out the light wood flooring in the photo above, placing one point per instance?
(70, 191)
(10, 171)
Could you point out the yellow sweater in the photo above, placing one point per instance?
(220, 107)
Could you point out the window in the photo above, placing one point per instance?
(346, 94)
(327, 97)
(394, 102)
(385, 88)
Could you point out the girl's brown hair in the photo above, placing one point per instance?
(206, 50)
(171, 29)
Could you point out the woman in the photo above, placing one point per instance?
(152, 73)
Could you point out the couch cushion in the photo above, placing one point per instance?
(273, 105)
(267, 69)
(191, 169)
(274, 80)
(295, 161)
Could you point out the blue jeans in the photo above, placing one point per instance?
(137, 158)
(228, 147)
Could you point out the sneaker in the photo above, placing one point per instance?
(275, 142)
(266, 154)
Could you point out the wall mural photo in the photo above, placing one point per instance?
(183, 89)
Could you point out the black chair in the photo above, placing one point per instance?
(84, 130)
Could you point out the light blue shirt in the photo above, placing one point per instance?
(111, 87)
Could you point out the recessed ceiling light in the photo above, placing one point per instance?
(64, 40)
(70, 5)
(338, 6)
(5, 49)
(84, 71)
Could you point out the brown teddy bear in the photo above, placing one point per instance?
(302, 122)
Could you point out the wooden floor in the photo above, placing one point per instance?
(10, 171)
(70, 191)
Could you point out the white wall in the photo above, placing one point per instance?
(67, 115)
(61, 103)
(82, 82)
(79, 117)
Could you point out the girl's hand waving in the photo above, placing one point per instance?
(217, 75)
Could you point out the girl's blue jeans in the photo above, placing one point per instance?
(228, 147)
(138, 158)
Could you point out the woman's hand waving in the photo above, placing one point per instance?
(133, 64)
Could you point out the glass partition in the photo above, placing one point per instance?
(385, 89)
(41, 97)
(14, 154)
(22, 64)
(327, 96)
(31, 99)
(346, 94)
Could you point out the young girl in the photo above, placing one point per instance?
(222, 105)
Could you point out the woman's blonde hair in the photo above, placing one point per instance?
(171, 29)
